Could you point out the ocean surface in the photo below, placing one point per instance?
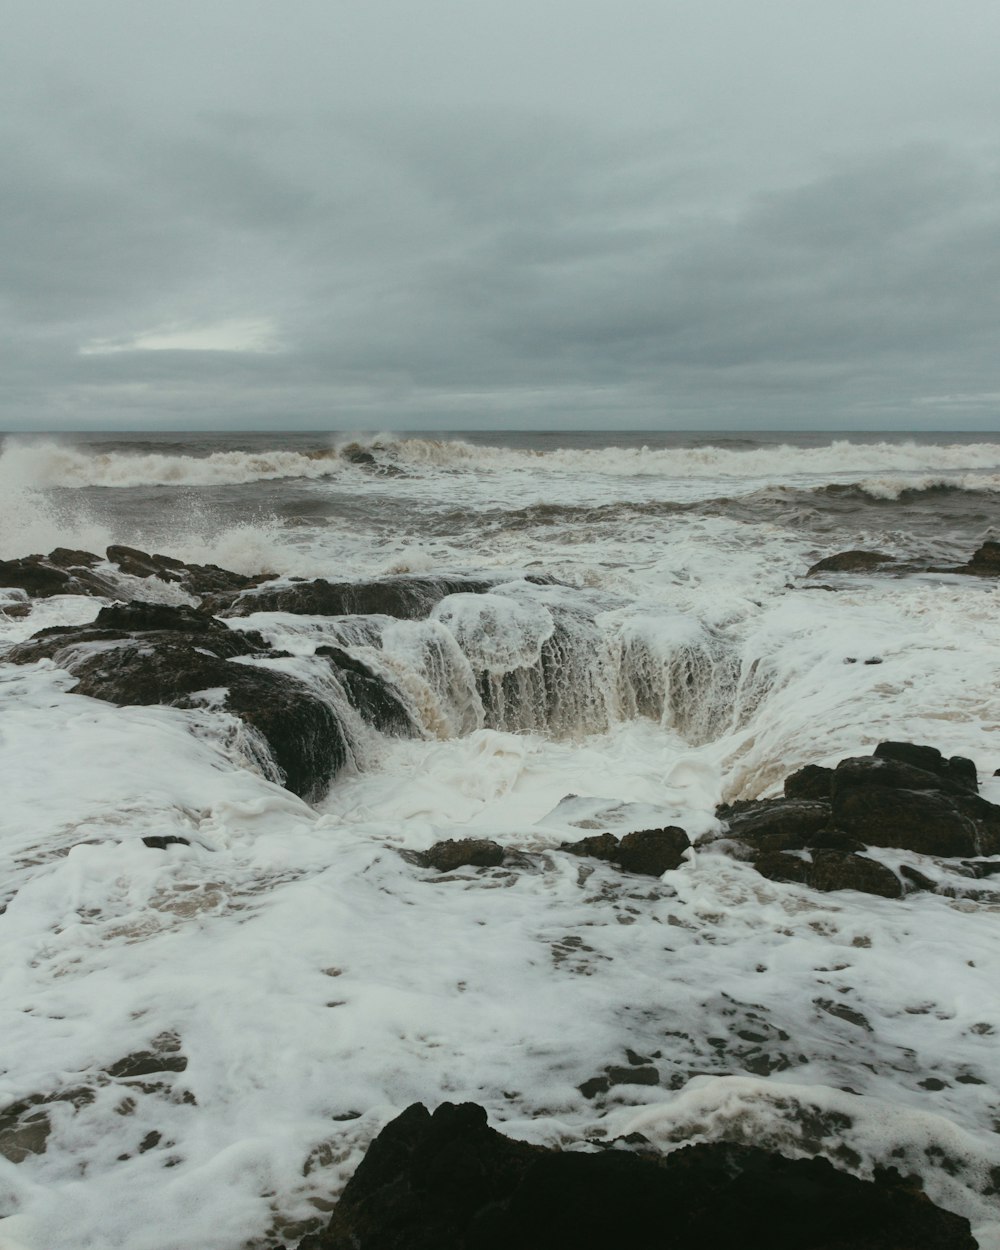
(317, 982)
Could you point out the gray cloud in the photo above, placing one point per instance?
(425, 237)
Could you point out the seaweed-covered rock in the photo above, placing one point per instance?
(448, 1181)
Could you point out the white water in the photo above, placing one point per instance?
(310, 971)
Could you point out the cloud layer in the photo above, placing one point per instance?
(465, 215)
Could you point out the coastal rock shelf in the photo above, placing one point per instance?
(448, 1181)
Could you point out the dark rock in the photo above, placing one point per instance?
(915, 879)
(71, 558)
(374, 698)
(811, 782)
(198, 580)
(25, 1125)
(450, 1182)
(921, 821)
(650, 852)
(452, 854)
(41, 576)
(152, 653)
(653, 851)
(633, 1076)
(984, 562)
(958, 769)
(874, 770)
(851, 562)
(160, 842)
(981, 867)
(598, 846)
(776, 824)
(828, 870)
(405, 597)
(357, 456)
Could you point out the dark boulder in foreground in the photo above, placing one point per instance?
(448, 1181)
(150, 653)
(650, 852)
(62, 572)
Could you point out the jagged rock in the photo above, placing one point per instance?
(64, 572)
(650, 852)
(452, 854)
(405, 597)
(827, 870)
(448, 1181)
(160, 842)
(811, 782)
(196, 579)
(653, 851)
(141, 653)
(851, 562)
(958, 769)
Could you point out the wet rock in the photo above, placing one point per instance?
(160, 842)
(598, 846)
(827, 870)
(405, 597)
(374, 698)
(142, 653)
(653, 851)
(649, 852)
(70, 573)
(196, 579)
(874, 770)
(921, 821)
(25, 1126)
(356, 456)
(811, 782)
(957, 769)
(448, 1181)
(984, 562)
(776, 824)
(452, 854)
(851, 562)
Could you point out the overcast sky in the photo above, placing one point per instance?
(369, 214)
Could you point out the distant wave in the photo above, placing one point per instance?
(772, 462)
(42, 465)
(881, 470)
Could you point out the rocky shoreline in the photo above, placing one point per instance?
(446, 1179)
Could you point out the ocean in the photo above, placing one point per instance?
(315, 980)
